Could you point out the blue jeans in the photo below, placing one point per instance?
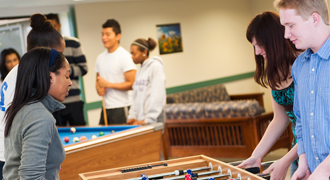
(293, 169)
(1, 167)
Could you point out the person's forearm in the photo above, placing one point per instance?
(273, 132)
(291, 156)
(125, 86)
(324, 167)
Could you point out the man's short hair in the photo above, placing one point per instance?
(53, 17)
(111, 23)
(305, 8)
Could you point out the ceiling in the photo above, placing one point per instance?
(24, 8)
(38, 3)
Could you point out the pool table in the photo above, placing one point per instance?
(127, 145)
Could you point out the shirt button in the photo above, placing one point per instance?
(311, 114)
(317, 158)
(312, 92)
(312, 136)
(313, 69)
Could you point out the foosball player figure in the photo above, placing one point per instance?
(187, 177)
(144, 177)
(189, 172)
(192, 175)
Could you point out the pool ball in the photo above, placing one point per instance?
(94, 137)
(66, 139)
(112, 131)
(75, 139)
(101, 133)
(83, 138)
(73, 130)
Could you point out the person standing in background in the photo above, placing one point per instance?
(73, 113)
(149, 86)
(9, 59)
(115, 74)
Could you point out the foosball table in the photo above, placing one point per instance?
(189, 168)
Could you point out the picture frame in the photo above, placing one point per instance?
(169, 38)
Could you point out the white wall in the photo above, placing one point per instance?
(213, 35)
(27, 11)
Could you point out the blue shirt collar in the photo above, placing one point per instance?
(308, 53)
(323, 52)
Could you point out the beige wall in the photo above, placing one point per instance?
(213, 32)
(258, 6)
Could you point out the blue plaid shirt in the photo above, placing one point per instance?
(311, 74)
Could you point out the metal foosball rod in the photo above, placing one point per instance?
(262, 164)
(265, 176)
(138, 168)
(219, 176)
(206, 173)
(268, 163)
(253, 170)
(176, 172)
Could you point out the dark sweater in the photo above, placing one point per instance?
(77, 60)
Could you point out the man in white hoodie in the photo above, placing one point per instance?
(149, 86)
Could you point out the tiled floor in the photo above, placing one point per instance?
(270, 157)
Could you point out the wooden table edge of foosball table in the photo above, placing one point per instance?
(173, 164)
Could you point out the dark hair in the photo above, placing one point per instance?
(52, 16)
(281, 53)
(150, 44)
(111, 23)
(42, 33)
(4, 53)
(33, 80)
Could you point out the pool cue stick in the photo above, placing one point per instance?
(105, 118)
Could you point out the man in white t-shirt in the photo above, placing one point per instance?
(115, 73)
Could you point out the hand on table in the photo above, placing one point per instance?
(250, 162)
(278, 170)
(303, 171)
(301, 174)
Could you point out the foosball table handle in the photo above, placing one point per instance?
(253, 170)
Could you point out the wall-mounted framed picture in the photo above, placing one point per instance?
(169, 38)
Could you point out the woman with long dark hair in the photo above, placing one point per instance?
(274, 58)
(42, 34)
(33, 148)
(9, 59)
